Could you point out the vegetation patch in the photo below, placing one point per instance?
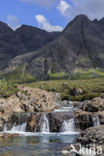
(91, 88)
(87, 74)
(7, 89)
(18, 76)
(58, 76)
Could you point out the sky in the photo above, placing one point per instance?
(50, 15)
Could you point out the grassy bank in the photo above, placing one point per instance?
(91, 88)
(7, 89)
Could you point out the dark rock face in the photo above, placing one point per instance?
(24, 39)
(10, 45)
(80, 45)
(83, 120)
(56, 120)
(34, 38)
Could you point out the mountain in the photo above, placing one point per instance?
(79, 48)
(24, 39)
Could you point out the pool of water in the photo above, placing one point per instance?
(36, 145)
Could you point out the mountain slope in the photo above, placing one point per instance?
(24, 39)
(9, 44)
(80, 47)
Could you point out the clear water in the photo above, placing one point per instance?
(40, 145)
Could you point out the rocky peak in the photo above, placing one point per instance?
(101, 21)
(77, 21)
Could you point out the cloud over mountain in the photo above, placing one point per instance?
(44, 24)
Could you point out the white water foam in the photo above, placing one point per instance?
(16, 128)
(44, 124)
(64, 109)
(68, 126)
(96, 120)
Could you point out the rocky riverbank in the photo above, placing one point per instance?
(90, 119)
(29, 108)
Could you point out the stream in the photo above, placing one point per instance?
(42, 143)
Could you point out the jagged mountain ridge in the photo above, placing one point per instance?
(80, 45)
(24, 39)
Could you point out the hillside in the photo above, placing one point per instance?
(78, 50)
(24, 39)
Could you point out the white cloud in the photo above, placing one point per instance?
(44, 24)
(13, 21)
(45, 3)
(64, 8)
(92, 8)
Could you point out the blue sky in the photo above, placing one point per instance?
(51, 15)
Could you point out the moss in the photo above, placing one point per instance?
(58, 76)
(91, 88)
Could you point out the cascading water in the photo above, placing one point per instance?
(44, 124)
(68, 126)
(96, 120)
(16, 128)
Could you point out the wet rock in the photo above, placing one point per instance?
(83, 119)
(5, 135)
(56, 120)
(57, 100)
(33, 123)
(95, 105)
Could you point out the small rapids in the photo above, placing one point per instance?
(67, 128)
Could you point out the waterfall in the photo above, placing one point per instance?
(20, 128)
(16, 128)
(68, 126)
(5, 128)
(96, 120)
(44, 124)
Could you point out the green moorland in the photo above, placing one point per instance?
(90, 81)
(91, 88)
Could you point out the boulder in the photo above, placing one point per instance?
(95, 105)
(90, 141)
(93, 136)
(28, 100)
(76, 91)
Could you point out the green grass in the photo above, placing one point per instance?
(58, 76)
(17, 76)
(87, 74)
(7, 89)
(91, 88)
